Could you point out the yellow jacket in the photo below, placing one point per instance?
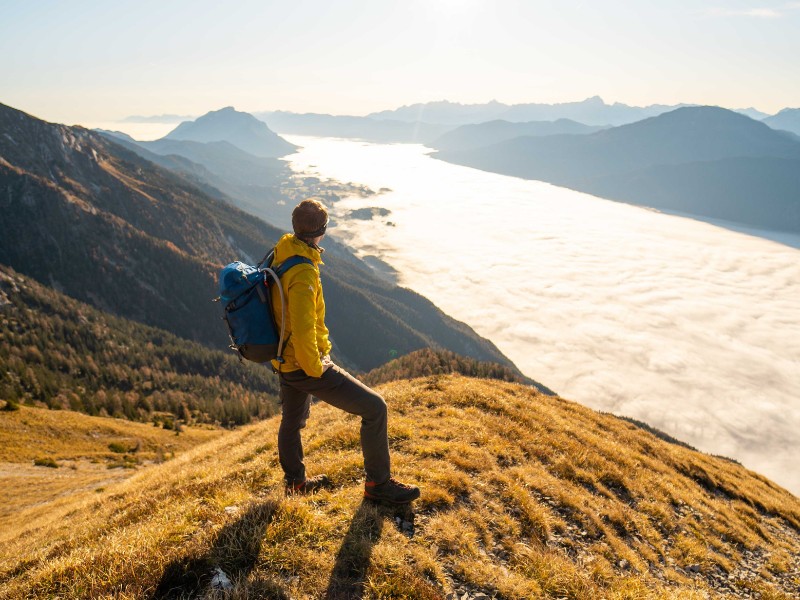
(306, 337)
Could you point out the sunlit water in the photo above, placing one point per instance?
(690, 327)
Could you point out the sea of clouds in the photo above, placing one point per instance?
(688, 326)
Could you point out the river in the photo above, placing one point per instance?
(688, 326)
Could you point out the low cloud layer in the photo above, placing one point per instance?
(692, 328)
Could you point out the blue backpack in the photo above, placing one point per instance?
(244, 291)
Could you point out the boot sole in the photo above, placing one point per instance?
(369, 496)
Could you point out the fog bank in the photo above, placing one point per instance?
(690, 327)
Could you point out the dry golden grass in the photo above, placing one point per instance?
(524, 496)
(30, 433)
(87, 453)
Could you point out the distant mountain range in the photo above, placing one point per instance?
(365, 128)
(493, 132)
(427, 122)
(592, 111)
(95, 220)
(662, 161)
(242, 130)
(706, 161)
(430, 122)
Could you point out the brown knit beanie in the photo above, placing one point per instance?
(309, 219)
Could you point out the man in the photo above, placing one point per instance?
(307, 369)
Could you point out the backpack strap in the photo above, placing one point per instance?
(290, 262)
(276, 274)
(267, 260)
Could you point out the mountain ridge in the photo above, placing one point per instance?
(364, 128)
(633, 162)
(788, 119)
(591, 111)
(493, 132)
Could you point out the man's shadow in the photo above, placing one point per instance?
(352, 561)
(235, 550)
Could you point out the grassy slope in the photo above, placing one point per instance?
(81, 447)
(524, 496)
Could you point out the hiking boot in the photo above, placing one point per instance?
(307, 486)
(391, 491)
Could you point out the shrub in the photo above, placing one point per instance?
(118, 447)
(46, 462)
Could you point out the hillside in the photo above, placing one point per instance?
(51, 455)
(645, 162)
(241, 129)
(81, 210)
(760, 192)
(59, 353)
(264, 187)
(523, 496)
(427, 361)
(90, 218)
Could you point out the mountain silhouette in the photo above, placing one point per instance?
(493, 132)
(753, 113)
(735, 168)
(592, 111)
(364, 128)
(445, 112)
(788, 120)
(241, 129)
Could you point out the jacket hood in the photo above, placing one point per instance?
(289, 245)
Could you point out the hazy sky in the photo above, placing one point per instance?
(91, 60)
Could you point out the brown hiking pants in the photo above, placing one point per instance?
(340, 389)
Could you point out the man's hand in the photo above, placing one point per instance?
(327, 363)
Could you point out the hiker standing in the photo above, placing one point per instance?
(307, 369)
